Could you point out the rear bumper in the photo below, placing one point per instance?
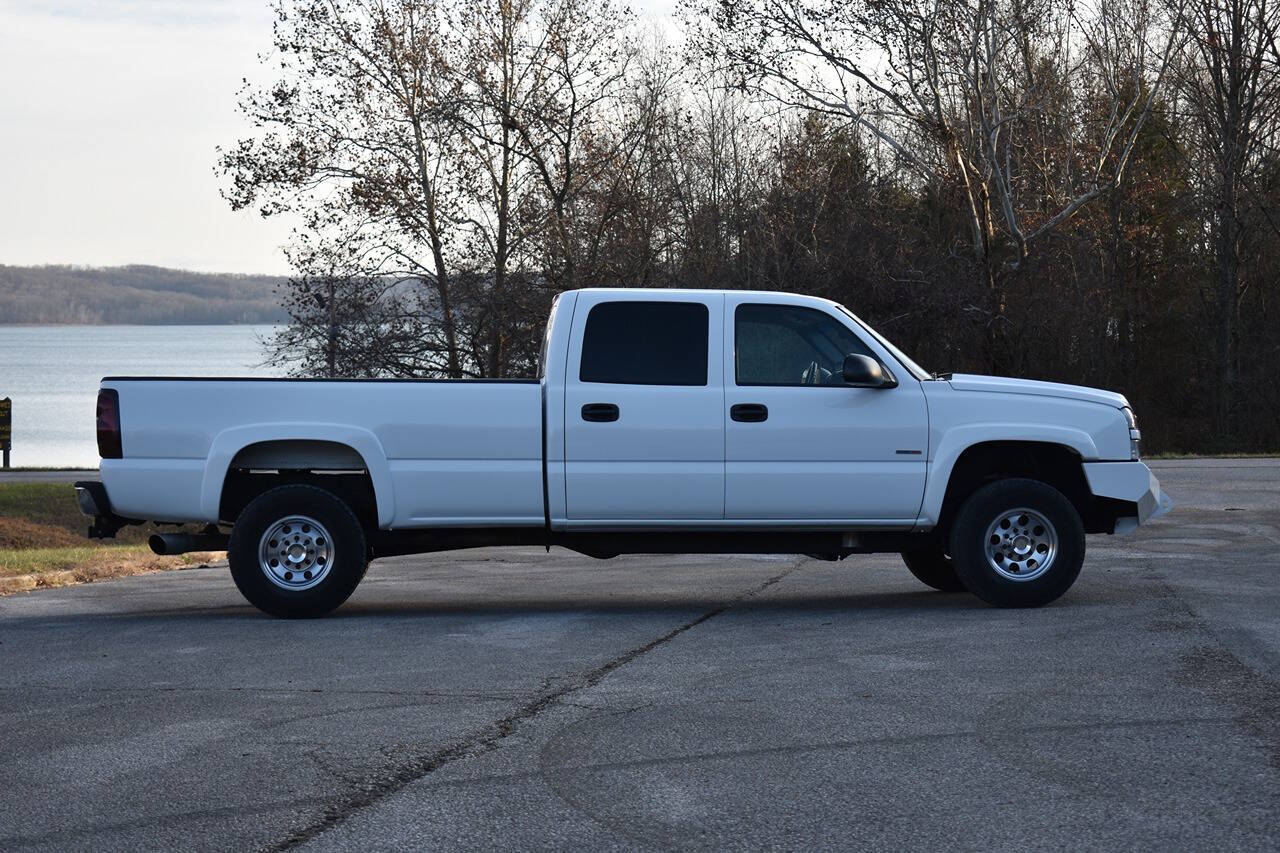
(1130, 482)
(92, 498)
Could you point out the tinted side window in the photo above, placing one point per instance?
(790, 345)
(646, 343)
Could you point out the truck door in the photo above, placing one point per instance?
(644, 398)
(799, 443)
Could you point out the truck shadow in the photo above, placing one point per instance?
(492, 606)
(484, 605)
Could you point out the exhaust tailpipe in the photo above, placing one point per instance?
(182, 543)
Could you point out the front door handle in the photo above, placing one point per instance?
(600, 412)
(749, 413)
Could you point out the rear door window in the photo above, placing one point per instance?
(646, 343)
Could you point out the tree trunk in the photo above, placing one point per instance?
(999, 357)
(331, 354)
(447, 319)
(1228, 290)
(497, 308)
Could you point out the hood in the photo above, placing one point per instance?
(1004, 385)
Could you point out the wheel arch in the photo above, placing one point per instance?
(287, 447)
(1055, 463)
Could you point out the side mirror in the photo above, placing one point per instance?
(860, 371)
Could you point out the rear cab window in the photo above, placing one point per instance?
(545, 349)
(646, 343)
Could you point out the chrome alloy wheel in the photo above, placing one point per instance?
(295, 553)
(1021, 544)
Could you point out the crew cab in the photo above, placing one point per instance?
(663, 421)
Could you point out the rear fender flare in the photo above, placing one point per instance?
(231, 441)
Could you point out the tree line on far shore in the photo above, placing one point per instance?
(1082, 192)
(137, 294)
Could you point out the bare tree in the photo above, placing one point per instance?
(354, 141)
(580, 120)
(1044, 170)
(413, 138)
(967, 91)
(1230, 88)
(537, 79)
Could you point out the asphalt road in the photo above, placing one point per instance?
(507, 698)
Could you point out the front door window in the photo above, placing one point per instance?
(791, 345)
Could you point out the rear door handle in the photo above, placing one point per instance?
(749, 413)
(600, 412)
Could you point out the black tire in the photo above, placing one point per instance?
(1045, 581)
(932, 567)
(345, 552)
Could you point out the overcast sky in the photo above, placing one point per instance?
(110, 111)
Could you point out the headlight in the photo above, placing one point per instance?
(1135, 436)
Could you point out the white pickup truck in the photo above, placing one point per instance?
(664, 421)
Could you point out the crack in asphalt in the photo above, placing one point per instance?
(486, 739)
(844, 745)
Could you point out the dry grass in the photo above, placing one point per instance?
(43, 543)
(45, 567)
(18, 533)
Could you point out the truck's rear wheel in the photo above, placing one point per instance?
(932, 567)
(1017, 543)
(297, 551)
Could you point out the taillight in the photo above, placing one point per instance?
(109, 424)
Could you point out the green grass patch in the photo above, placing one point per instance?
(43, 533)
(30, 561)
(43, 503)
(54, 504)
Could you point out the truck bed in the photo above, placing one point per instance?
(450, 452)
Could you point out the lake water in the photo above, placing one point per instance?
(52, 374)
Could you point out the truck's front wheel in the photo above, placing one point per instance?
(297, 551)
(1017, 543)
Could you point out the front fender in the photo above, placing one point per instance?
(955, 441)
(228, 443)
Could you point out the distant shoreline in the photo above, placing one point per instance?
(55, 324)
(137, 295)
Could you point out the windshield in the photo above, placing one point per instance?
(914, 369)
